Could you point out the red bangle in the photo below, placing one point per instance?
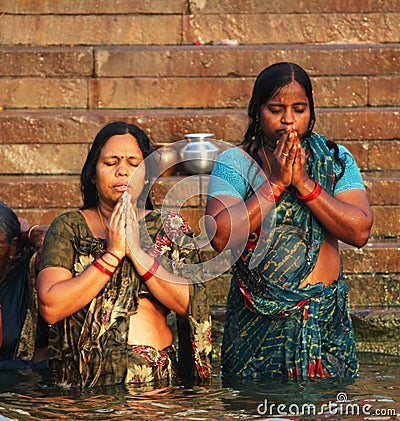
(151, 271)
(109, 264)
(313, 195)
(268, 195)
(114, 255)
(101, 268)
(279, 188)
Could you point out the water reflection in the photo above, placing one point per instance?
(26, 395)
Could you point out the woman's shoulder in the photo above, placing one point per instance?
(235, 160)
(234, 153)
(69, 221)
(69, 217)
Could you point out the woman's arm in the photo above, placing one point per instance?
(170, 289)
(347, 216)
(234, 219)
(61, 295)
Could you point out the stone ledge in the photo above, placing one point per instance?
(37, 195)
(328, 60)
(80, 126)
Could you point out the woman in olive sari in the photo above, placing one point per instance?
(112, 271)
(298, 194)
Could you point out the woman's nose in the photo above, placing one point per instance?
(287, 117)
(122, 169)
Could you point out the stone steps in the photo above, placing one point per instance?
(181, 21)
(40, 198)
(187, 76)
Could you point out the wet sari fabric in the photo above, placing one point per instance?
(273, 328)
(89, 348)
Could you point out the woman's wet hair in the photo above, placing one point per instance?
(11, 227)
(9, 222)
(268, 83)
(88, 174)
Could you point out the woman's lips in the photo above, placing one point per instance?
(120, 188)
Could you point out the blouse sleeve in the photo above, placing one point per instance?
(228, 176)
(351, 178)
(58, 245)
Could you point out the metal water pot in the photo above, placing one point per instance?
(199, 153)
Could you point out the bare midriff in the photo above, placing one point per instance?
(149, 326)
(327, 268)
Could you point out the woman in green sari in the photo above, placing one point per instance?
(112, 271)
(298, 194)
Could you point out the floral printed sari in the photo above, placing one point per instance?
(89, 348)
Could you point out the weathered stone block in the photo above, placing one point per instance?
(372, 258)
(43, 158)
(244, 60)
(384, 155)
(386, 221)
(43, 93)
(40, 193)
(93, 7)
(286, 28)
(384, 91)
(382, 190)
(90, 29)
(46, 62)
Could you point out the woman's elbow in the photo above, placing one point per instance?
(361, 235)
(48, 314)
(362, 239)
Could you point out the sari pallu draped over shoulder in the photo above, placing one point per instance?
(273, 328)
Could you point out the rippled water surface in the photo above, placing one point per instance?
(25, 395)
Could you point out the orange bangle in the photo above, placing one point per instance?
(313, 195)
(101, 268)
(151, 271)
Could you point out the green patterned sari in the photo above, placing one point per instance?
(273, 328)
(89, 348)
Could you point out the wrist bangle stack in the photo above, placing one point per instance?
(268, 194)
(109, 264)
(115, 257)
(280, 189)
(102, 268)
(151, 271)
(313, 195)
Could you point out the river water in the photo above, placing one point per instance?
(375, 395)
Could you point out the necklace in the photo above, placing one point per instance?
(101, 218)
(266, 159)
